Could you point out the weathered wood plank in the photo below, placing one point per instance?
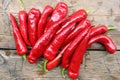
(7, 41)
(98, 65)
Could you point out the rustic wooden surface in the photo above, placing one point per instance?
(98, 65)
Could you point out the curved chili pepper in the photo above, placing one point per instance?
(80, 27)
(94, 31)
(51, 64)
(54, 46)
(58, 14)
(78, 16)
(20, 45)
(33, 18)
(73, 70)
(23, 26)
(43, 20)
(69, 51)
(42, 43)
(106, 41)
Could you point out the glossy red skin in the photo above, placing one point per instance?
(23, 26)
(20, 44)
(94, 32)
(52, 49)
(80, 27)
(71, 48)
(74, 67)
(59, 13)
(98, 30)
(33, 18)
(51, 64)
(43, 20)
(75, 17)
(42, 43)
(56, 43)
(106, 41)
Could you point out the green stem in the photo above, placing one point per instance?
(22, 4)
(40, 66)
(63, 72)
(88, 11)
(24, 57)
(44, 67)
(110, 27)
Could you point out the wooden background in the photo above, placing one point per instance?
(98, 64)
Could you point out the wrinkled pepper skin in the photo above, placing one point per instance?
(106, 41)
(20, 44)
(58, 14)
(80, 27)
(43, 20)
(51, 64)
(23, 26)
(56, 43)
(75, 17)
(74, 67)
(42, 43)
(33, 18)
(71, 48)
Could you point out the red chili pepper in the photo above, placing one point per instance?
(54, 46)
(78, 16)
(23, 26)
(51, 51)
(42, 43)
(80, 27)
(58, 14)
(106, 41)
(43, 20)
(73, 70)
(20, 45)
(71, 48)
(51, 64)
(94, 31)
(33, 18)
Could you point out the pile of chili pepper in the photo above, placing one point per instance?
(60, 39)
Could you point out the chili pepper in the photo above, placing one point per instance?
(20, 45)
(69, 51)
(80, 27)
(33, 18)
(73, 70)
(58, 14)
(51, 64)
(94, 31)
(100, 30)
(56, 43)
(78, 16)
(51, 51)
(42, 43)
(43, 20)
(106, 41)
(23, 26)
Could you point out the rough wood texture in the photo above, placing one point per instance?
(98, 65)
